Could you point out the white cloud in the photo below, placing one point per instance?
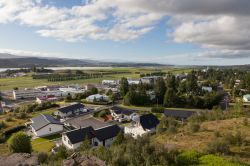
(214, 24)
(28, 53)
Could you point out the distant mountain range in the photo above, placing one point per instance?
(13, 61)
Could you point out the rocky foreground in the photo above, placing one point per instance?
(25, 159)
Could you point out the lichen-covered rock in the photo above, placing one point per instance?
(82, 160)
(19, 159)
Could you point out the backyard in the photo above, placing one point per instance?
(44, 144)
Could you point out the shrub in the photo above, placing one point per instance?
(102, 113)
(157, 109)
(188, 158)
(212, 160)
(19, 143)
(237, 139)
(172, 129)
(62, 152)
(217, 134)
(2, 138)
(2, 125)
(42, 157)
(13, 130)
(8, 119)
(22, 115)
(194, 127)
(218, 146)
(245, 122)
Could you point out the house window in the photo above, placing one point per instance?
(49, 129)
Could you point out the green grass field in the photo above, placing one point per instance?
(44, 144)
(28, 82)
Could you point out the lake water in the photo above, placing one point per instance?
(63, 68)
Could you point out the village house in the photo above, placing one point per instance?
(102, 136)
(43, 99)
(89, 87)
(109, 82)
(97, 98)
(207, 88)
(144, 124)
(179, 114)
(44, 125)
(149, 80)
(122, 114)
(71, 110)
(133, 82)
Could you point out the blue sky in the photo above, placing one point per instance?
(121, 31)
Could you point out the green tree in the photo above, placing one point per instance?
(94, 90)
(160, 89)
(169, 98)
(20, 143)
(191, 83)
(124, 86)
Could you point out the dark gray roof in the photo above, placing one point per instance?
(178, 113)
(120, 110)
(148, 121)
(70, 108)
(79, 135)
(107, 132)
(43, 120)
(85, 121)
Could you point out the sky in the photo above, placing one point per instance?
(190, 32)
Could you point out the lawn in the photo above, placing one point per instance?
(47, 112)
(44, 144)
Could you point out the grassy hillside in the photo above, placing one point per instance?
(210, 131)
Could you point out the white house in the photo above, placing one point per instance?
(133, 82)
(246, 98)
(44, 125)
(207, 88)
(122, 114)
(109, 82)
(71, 110)
(142, 125)
(97, 98)
(102, 136)
(71, 91)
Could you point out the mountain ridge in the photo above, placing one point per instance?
(13, 61)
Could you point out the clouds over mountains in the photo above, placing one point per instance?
(219, 26)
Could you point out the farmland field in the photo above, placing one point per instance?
(29, 82)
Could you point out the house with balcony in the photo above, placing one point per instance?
(97, 137)
(141, 125)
